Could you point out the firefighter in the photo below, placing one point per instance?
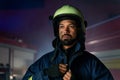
(69, 60)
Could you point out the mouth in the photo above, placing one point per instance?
(66, 36)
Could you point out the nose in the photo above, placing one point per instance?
(67, 30)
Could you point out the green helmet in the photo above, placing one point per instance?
(68, 12)
(67, 9)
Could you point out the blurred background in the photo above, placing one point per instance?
(26, 33)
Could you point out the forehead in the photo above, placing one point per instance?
(67, 21)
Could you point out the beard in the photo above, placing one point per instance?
(68, 41)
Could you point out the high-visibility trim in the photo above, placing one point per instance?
(30, 78)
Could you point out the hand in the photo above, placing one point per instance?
(63, 68)
(67, 75)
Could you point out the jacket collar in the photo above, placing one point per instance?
(59, 50)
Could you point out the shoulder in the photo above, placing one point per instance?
(88, 55)
(89, 65)
(38, 65)
(86, 61)
(46, 57)
(41, 62)
(86, 58)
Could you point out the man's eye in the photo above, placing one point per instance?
(72, 26)
(60, 26)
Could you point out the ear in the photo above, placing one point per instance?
(85, 22)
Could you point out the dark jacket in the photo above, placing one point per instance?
(83, 65)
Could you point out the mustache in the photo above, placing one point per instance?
(66, 35)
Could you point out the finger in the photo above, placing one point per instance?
(63, 65)
(67, 76)
(63, 68)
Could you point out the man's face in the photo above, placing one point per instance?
(67, 31)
